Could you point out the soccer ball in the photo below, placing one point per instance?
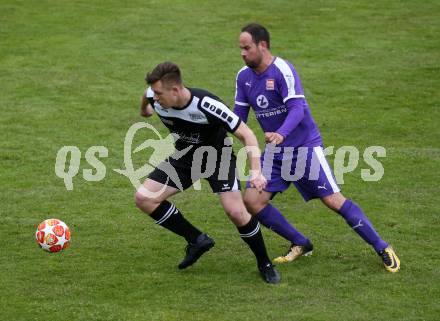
(53, 235)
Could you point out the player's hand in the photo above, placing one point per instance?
(273, 138)
(258, 181)
(146, 110)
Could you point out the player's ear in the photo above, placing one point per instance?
(263, 44)
(175, 89)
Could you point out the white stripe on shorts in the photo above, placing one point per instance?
(235, 187)
(328, 172)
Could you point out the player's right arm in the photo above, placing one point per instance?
(248, 138)
(145, 106)
(217, 112)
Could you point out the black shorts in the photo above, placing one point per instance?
(182, 173)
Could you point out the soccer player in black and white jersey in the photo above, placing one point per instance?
(200, 122)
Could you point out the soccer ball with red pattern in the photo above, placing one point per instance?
(53, 235)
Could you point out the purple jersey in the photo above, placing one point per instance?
(267, 94)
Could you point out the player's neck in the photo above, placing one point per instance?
(265, 63)
(185, 97)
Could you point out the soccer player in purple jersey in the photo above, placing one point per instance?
(271, 86)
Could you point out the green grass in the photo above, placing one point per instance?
(71, 73)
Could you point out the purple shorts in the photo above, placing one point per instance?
(304, 167)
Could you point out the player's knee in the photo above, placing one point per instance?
(253, 205)
(239, 216)
(144, 202)
(334, 201)
(234, 212)
(139, 199)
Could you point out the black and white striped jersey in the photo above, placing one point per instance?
(204, 121)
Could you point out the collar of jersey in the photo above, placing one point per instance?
(267, 69)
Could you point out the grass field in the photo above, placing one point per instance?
(71, 73)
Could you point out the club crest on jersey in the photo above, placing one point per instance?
(270, 84)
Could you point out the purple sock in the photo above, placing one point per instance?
(357, 220)
(272, 218)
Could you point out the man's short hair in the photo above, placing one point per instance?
(258, 33)
(167, 72)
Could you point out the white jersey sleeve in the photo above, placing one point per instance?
(288, 84)
(218, 112)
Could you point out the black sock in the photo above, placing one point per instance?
(251, 234)
(168, 216)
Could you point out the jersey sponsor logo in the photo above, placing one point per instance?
(270, 84)
(262, 101)
(192, 138)
(196, 116)
(270, 112)
(248, 83)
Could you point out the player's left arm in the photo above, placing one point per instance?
(295, 107)
(290, 90)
